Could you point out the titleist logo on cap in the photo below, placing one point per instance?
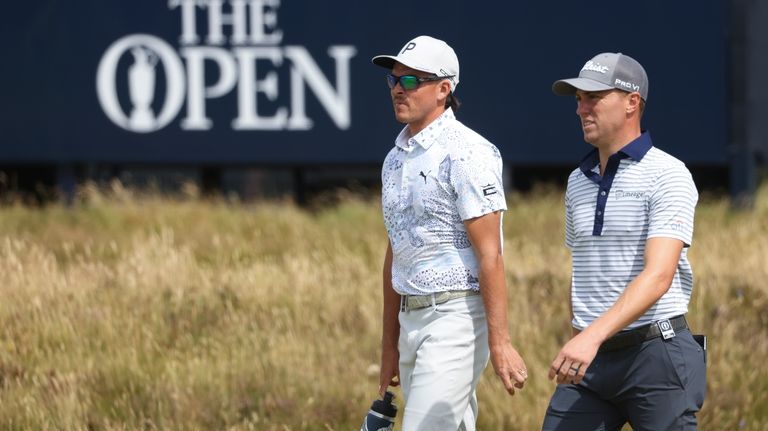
(595, 67)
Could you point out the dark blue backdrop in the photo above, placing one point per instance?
(510, 53)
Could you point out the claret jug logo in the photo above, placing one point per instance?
(241, 34)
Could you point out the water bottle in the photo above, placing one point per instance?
(381, 416)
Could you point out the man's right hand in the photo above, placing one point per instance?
(389, 375)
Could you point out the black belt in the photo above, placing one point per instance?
(636, 336)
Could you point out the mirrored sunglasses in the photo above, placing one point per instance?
(411, 82)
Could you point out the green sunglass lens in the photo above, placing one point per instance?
(409, 82)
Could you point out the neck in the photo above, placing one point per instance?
(609, 148)
(417, 126)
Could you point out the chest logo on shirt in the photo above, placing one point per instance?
(489, 189)
(629, 194)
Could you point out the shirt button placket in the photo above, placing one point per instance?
(404, 181)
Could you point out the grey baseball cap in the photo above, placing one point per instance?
(606, 71)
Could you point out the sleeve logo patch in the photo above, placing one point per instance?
(489, 189)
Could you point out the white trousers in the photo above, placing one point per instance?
(443, 352)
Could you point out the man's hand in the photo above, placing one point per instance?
(389, 374)
(509, 366)
(574, 358)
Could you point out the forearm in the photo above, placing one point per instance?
(494, 292)
(391, 307)
(640, 295)
(390, 324)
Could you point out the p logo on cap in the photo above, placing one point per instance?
(408, 46)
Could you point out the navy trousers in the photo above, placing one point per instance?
(655, 386)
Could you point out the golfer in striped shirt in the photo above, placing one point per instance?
(629, 223)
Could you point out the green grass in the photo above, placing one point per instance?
(137, 312)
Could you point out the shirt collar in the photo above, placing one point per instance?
(634, 150)
(428, 135)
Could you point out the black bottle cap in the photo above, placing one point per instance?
(385, 406)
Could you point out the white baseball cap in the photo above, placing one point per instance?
(426, 54)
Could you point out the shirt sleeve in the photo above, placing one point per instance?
(569, 234)
(672, 205)
(477, 179)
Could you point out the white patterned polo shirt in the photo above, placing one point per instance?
(644, 193)
(431, 183)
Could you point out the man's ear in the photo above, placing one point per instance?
(444, 90)
(634, 103)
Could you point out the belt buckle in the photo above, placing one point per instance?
(667, 331)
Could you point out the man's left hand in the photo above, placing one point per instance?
(574, 358)
(509, 366)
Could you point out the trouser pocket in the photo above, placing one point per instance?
(687, 358)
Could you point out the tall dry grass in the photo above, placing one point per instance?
(134, 312)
